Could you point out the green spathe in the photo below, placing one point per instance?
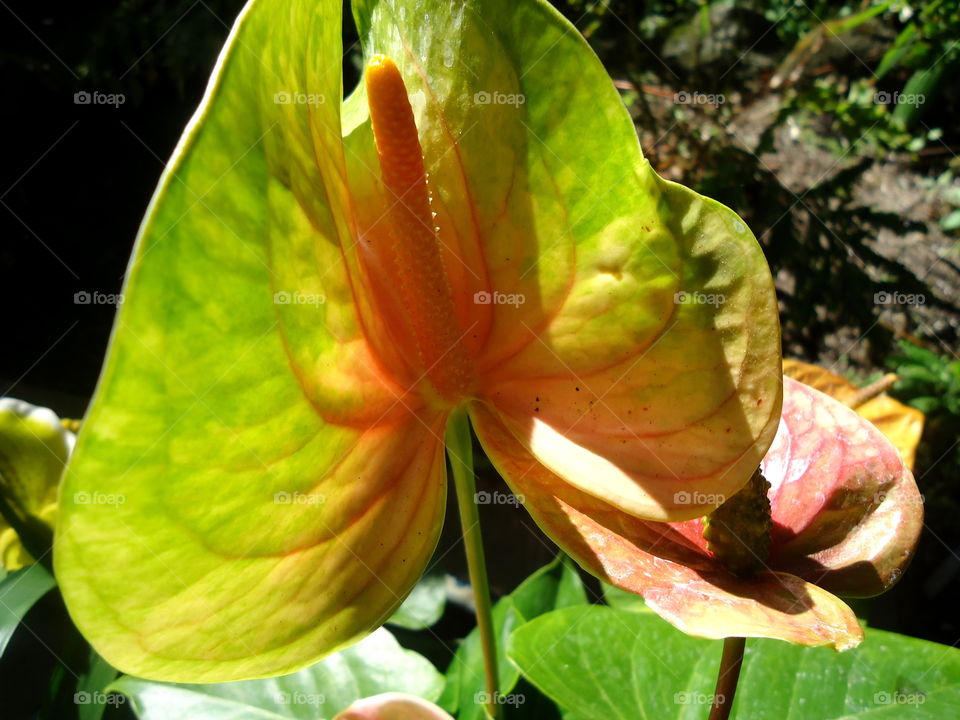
(282, 474)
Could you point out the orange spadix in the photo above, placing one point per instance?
(415, 242)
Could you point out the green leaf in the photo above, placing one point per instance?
(553, 586)
(919, 93)
(375, 665)
(623, 600)
(90, 697)
(951, 221)
(897, 51)
(603, 664)
(18, 592)
(424, 605)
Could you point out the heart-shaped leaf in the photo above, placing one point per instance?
(606, 664)
(375, 665)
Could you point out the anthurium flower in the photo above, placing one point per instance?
(34, 447)
(393, 706)
(317, 287)
(846, 516)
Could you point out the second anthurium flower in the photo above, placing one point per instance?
(317, 287)
(843, 518)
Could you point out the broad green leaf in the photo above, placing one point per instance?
(603, 664)
(18, 592)
(424, 605)
(34, 446)
(553, 586)
(375, 665)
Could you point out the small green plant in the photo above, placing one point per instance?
(837, 114)
(930, 382)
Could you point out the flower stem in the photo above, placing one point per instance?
(460, 452)
(727, 677)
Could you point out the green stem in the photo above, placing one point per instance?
(460, 452)
(727, 677)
